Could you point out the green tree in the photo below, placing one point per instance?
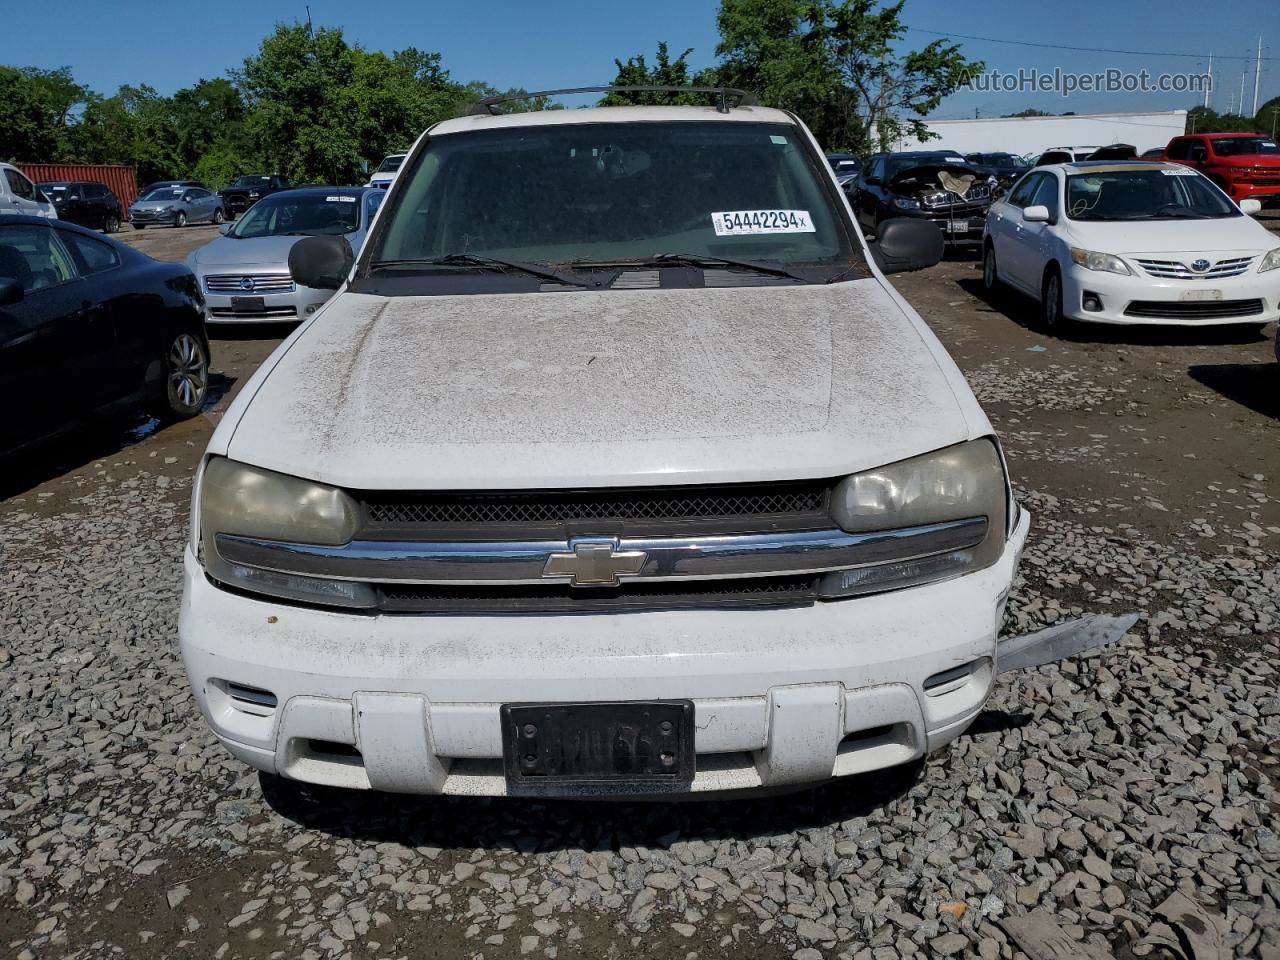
(1029, 112)
(837, 65)
(318, 106)
(636, 72)
(520, 101)
(37, 112)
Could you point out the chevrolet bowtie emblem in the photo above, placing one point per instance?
(597, 562)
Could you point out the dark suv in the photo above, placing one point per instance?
(84, 202)
(248, 190)
(936, 185)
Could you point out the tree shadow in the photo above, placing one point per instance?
(96, 439)
(1251, 385)
(1024, 312)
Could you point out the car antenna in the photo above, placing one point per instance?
(742, 97)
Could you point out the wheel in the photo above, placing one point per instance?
(181, 393)
(990, 276)
(1051, 318)
(111, 224)
(180, 219)
(218, 216)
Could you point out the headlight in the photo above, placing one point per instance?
(959, 483)
(1106, 262)
(243, 501)
(906, 203)
(253, 193)
(1270, 262)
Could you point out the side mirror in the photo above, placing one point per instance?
(871, 181)
(10, 291)
(1037, 214)
(321, 263)
(904, 243)
(1251, 206)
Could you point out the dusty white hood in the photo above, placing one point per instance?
(583, 388)
(1200, 237)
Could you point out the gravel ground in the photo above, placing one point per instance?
(1090, 791)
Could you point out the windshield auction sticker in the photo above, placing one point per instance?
(741, 223)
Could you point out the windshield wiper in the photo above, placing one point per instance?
(541, 270)
(703, 261)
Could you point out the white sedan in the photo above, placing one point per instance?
(1132, 243)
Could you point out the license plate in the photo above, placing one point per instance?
(1200, 295)
(583, 743)
(248, 304)
(957, 226)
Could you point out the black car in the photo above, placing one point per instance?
(844, 165)
(1005, 167)
(84, 202)
(89, 325)
(248, 190)
(934, 185)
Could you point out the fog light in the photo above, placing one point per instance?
(1092, 302)
(311, 308)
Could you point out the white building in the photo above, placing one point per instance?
(1033, 135)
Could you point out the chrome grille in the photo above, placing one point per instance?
(1176, 270)
(227, 313)
(260, 283)
(806, 500)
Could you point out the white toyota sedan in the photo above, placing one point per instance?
(1132, 243)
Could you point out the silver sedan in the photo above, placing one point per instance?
(177, 206)
(244, 274)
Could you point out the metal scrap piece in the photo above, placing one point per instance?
(1040, 938)
(1060, 641)
(1196, 926)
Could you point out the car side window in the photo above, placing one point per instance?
(34, 257)
(1046, 194)
(198, 193)
(371, 203)
(1178, 149)
(877, 168)
(1021, 195)
(94, 191)
(20, 185)
(1196, 150)
(94, 256)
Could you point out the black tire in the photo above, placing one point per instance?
(991, 281)
(111, 224)
(1051, 317)
(180, 219)
(184, 383)
(218, 217)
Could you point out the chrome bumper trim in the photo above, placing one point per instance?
(665, 558)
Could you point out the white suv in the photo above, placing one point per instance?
(641, 482)
(1132, 243)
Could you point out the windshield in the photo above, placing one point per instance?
(895, 166)
(252, 182)
(610, 192)
(391, 164)
(1157, 194)
(163, 193)
(52, 190)
(1243, 146)
(293, 214)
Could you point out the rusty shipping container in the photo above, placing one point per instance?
(121, 181)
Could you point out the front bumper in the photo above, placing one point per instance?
(1268, 191)
(1119, 294)
(152, 216)
(781, 696)
(298, 304)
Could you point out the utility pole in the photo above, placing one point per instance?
(1243, 77)
(1209, 85)
(1257, 76)
(1275, 111)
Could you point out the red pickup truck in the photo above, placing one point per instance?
(1242, 164)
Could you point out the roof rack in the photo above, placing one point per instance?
(742, 97)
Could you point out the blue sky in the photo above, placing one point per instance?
(557, 43)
